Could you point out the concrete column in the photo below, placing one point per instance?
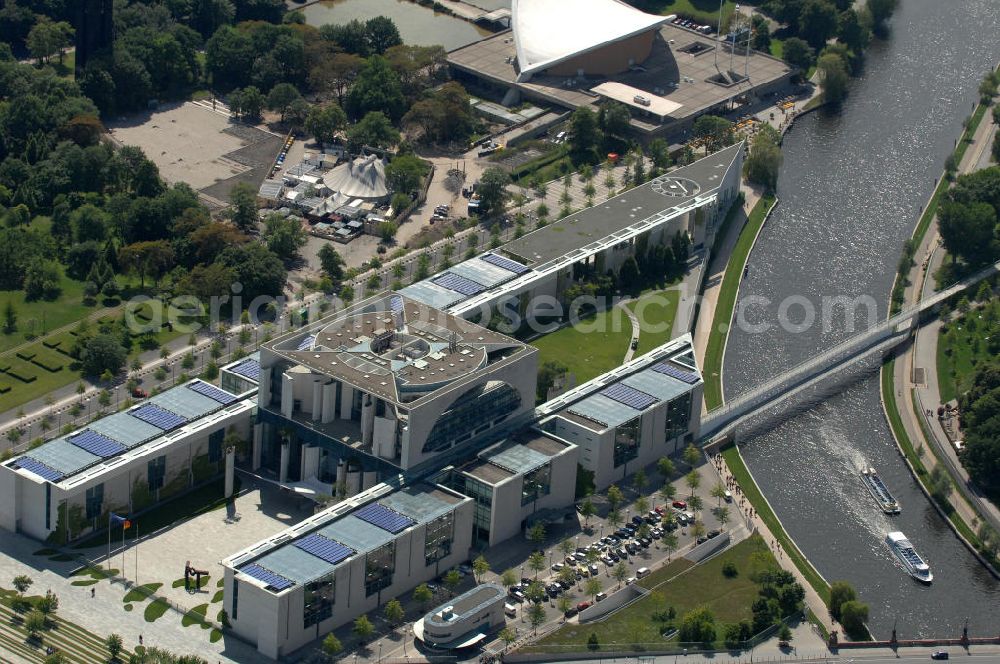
(346, 401)
(368, 480)
(354, 481)
(341, 476)
(287, 395)
(367, 419)
(329, 403)
(384, 436)
(264, 390)
(310, 462)
(317, 400)
(286, 452)
(230, 470)
(258, 444)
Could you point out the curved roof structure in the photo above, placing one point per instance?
(362, 178)
(547, 32)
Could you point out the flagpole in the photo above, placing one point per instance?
(124, 573)
(109, 542)
(137, 553)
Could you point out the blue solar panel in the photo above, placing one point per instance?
(158, 417)
(212, 392)
(629, 396)
(248, 369)
(505, 263)
(325, 548)
(459, 284)
(39, 468)
(674, 372)
(276, 581)
(384, 518)
(306, 342)
(395, 303)
(96, 444)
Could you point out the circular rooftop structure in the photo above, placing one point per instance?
(668, 185)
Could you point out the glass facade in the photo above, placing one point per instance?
(380, 565)
(95, 501)
(473, 412)
(678, 416)
(627, 441)
(537, 483)
(155, 472)
(438, 538)
(215, 445)
(319, 598)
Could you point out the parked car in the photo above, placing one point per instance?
(601, 596)
(642, 571)
(571, 611)
(582, 605)
(518, 596)
(629, 581)
(660, 509)
(637, 520)
(940, 654)
(712, 534)
(139, 393)
(557, 566)
(594, 571)
(702, 539)
(679, 504)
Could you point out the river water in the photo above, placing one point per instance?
(851, 189)
(418, 25)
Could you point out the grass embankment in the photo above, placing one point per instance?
(683, 586)
(655, 312)
(594, 346)
(962, 346)
(914, 457)
(756, 498)
(726, 302)
(702, 11)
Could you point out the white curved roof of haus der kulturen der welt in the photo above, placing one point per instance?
(547, 32)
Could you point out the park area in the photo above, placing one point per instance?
(966, 341)
(676, 589)
(598, 343)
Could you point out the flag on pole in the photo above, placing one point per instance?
(117, 520)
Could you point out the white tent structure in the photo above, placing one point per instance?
(362, 178)
(550, 32)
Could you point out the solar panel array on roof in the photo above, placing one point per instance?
(384, 518)
(505, 263)
(307, 342)
(674, 372)
(96, 444)
(431, 294)
(158, 417)
(395, 303)
(38, 468)
(212, 392)
(276, 581)
(248, 369)
(629, 396)
(459, 284)
(325, 548)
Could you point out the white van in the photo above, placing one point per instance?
(642, 572)
(510, 610)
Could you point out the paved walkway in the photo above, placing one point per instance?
(104, 613)
(915, 373)
(755, 523)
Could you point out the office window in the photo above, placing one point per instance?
(215, 445)
(155, 472)
(474, 411)
(319, 599)
(627, 442)
(440, 534)
(537, 483)
(236, 599)
(48, 506)
(678, 416)
(380, 565)
(95, 501)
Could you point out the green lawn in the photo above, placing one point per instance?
(753, 494)
(594, 346)
(778, 48)
(40, 316)
(680, 585)
(962, 345)
(656, 311)
(712, 371)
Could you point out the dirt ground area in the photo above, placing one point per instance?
(190, 142)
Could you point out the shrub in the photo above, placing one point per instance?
(729, 570)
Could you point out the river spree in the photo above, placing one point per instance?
(417, 25)
(851, 190)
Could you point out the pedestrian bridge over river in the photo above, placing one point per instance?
(870, 343)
